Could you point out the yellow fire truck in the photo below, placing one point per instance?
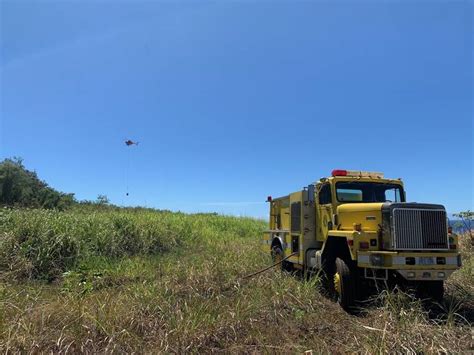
(357, 228)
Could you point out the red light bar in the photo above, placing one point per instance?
(339, 173)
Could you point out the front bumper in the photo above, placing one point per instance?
(425, 275)
(412, 266)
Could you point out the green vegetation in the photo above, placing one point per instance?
(98, 278)
(42, 244)
(22, 187)
(93, 277)
(465, 223)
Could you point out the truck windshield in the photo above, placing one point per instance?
(369, 192)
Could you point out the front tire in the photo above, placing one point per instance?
(346, 285)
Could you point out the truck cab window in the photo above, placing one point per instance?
(349, 195)
(392, 195)
(368, 192)
(325, 194)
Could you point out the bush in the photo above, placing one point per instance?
(22, 187)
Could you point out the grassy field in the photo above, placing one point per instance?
(92, 280)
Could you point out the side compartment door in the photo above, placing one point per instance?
(309, 222)
(295, 236)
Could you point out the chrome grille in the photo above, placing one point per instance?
(415, 228)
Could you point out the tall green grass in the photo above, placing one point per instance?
(42, 244)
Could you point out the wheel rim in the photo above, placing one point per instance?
(337, 283)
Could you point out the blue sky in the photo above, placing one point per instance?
(234, 101)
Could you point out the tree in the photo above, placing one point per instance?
(22, 187)
(466, 218)
(102, 200)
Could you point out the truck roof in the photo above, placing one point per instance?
(352, 175)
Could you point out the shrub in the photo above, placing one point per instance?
(22, 187)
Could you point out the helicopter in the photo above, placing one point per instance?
(129, 142)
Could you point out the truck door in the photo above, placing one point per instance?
(324, 211)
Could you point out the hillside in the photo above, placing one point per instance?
(101, 279)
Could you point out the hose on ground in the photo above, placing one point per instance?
(268, 268)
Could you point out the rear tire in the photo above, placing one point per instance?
(346, 285)
(278, 255)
